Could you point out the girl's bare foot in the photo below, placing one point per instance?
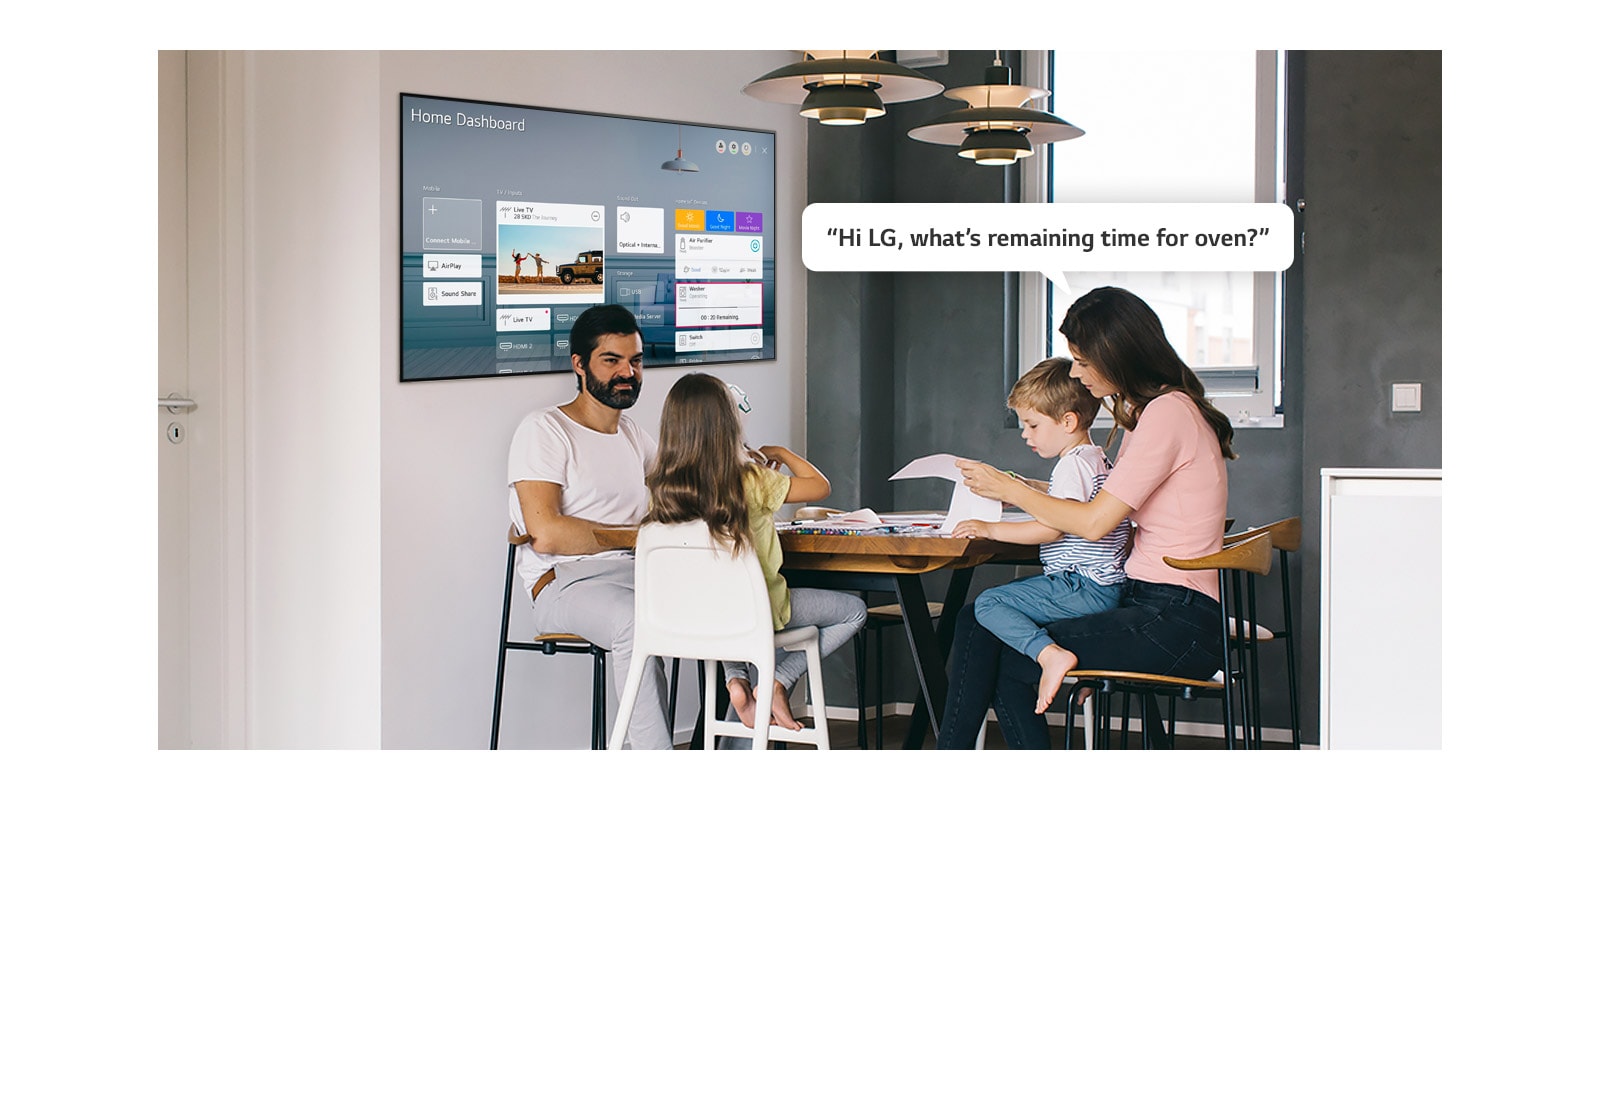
(1055, 664)
(744, 702)
(781, 714)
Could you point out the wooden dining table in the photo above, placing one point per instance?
(898, 564)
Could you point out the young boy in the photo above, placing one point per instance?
(1080, 577)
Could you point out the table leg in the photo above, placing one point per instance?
(930, 648)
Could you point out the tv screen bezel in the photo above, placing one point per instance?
(770, 233)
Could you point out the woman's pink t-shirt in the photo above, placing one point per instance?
(1172, 473)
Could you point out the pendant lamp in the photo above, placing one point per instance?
(842, 86)
(678, 163)
(1000, 124)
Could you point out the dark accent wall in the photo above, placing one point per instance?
(903, 365)
(900, 365)
(1373, 273)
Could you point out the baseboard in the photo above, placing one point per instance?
(1056, 718)
(1277, 735)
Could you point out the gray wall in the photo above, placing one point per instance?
(1372, 269)
(897, 364)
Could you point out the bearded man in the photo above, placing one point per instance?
(578, 467)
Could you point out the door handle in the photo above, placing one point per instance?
(174, 403)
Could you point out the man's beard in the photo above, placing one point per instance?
(619, 393)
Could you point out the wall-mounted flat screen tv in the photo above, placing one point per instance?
(514, 219)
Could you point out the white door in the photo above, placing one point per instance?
(201, 613)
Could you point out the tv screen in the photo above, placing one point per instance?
(514, 219)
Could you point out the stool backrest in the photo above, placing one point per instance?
(1239, 560)
(1249, 552)
(1285, 534)
(694, 598)
(517, 539)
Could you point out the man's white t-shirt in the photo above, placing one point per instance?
(601, 476)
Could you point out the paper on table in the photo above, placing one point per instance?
(939, 466)
(964, 504)
(859, 518)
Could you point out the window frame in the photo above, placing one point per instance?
(1035, 323)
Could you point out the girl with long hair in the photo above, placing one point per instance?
(1170, 477)
(705, 471)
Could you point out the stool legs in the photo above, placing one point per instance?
(861, 691)
(505, 631)
(861, 686)
(499, 689)
(1288, 634)
(878, 710)
(549, 646)
(597, 729)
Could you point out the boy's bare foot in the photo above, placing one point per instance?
(743, 700)
(781, 714)
(1055, 664)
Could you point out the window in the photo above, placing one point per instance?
(1170, 126)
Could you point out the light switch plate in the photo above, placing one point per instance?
(1405, 398)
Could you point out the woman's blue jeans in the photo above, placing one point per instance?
(1167, 629)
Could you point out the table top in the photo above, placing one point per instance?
(872, 553)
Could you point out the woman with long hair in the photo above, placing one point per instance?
(705, 471)
(1170, 477)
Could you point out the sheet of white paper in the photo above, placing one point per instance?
(939, 466)
(965, 505)
(858, 518)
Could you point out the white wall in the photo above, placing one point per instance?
(443, 443)
(375, 512)
(314, 277)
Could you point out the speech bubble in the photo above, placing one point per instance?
(1053, 238)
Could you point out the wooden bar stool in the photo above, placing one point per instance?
(879, 619)
(1285, 537)
(1247, 557)
(548, 644)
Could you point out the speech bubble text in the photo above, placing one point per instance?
(1067, 237)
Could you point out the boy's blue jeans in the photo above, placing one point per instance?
(1016, 612)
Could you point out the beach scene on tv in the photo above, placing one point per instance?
(534, 264)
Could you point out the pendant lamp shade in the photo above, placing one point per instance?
(1000, 123)
(678, 163)
(844, 105)
(995, 146)
(842, 86)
